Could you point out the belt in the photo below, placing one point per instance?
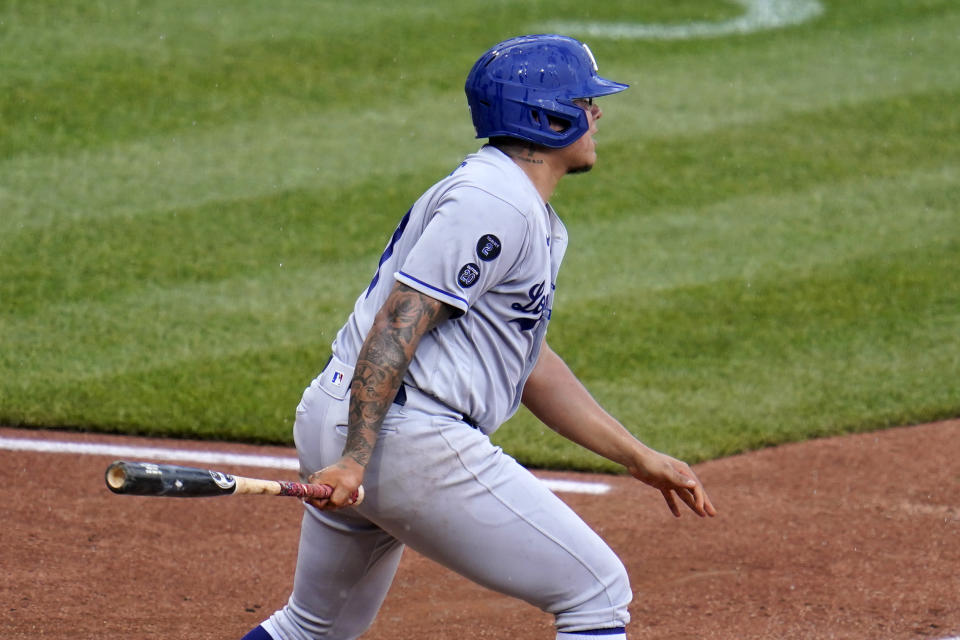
(335, 380)
(401, 399)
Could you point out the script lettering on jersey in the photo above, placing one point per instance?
(536, 308)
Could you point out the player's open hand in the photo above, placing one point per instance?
(345, 476)
(675, 479)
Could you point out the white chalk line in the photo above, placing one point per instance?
(153, 453)
(289, 463)
(759, 15)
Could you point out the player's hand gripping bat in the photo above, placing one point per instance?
(150, 479)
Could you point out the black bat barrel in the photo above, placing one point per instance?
(149, 479)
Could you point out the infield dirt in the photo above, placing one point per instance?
(853, 537)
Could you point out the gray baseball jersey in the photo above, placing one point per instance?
(484, 242)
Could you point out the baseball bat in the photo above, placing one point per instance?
(172, 480)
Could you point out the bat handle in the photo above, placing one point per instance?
(317, 491)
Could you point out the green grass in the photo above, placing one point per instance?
(192, 194)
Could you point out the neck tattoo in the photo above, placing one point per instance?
(529, 156)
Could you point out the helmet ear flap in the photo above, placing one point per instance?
(544, 120)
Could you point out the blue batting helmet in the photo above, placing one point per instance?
(516, 87)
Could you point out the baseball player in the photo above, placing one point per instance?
(441, 348)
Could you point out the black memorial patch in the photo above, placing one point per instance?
(468, 276)
(488, 247)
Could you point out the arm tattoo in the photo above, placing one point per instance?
(386, 353)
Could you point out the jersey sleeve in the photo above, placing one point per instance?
(470, 245)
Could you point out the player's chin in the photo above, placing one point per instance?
(583, 168)
(587, 160)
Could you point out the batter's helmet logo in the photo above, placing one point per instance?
(488, 247)
(468, 276)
